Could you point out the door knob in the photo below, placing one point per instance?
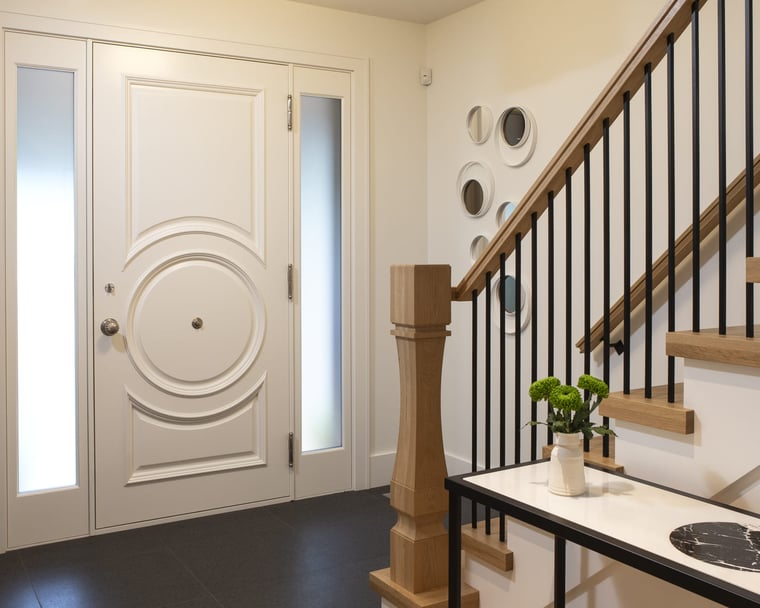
(109, 327)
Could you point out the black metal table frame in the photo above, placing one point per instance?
(563, 530)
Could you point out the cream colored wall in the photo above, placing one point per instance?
(397, 133)
(551, 57)
(554, 58)
(555, 64)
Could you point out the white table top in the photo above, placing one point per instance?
(635, 513)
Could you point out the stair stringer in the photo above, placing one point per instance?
(724, 399)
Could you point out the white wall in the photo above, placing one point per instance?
(552, 58)
(555, 61)
(397, 133)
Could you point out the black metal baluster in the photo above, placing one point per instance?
(487, 398)
(502, 381)
(722, 172)
(534, 329)
(671, 111)
(586, 269)
(648, 236)
(627, 242)
(550, 304)
(502, 363)
(474, 421)
(568, 276)
(749, 123)
(518, 340)
(606, 269)
(695, 169)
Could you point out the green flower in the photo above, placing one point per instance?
(541, 389)
(594, 385)
(565, 398)
(568, 412)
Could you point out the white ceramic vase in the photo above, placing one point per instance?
(566, 475)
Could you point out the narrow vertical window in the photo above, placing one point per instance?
(46, 280)
(321, 394)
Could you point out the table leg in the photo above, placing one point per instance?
(559, 572)
(455, 550)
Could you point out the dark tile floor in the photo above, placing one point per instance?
(314, 553)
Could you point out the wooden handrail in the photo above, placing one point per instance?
(708, 222)
(674, 19)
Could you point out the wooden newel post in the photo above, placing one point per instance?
(418, 574)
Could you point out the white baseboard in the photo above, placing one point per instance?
(381, 467)
(456, 465)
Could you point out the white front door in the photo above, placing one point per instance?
(190, 251)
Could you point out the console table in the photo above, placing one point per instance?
(624, 518)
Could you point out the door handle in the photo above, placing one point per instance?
(109, 327)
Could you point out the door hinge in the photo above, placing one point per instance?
(290, 450)
(290, 281)
(290, 112)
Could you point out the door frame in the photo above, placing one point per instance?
(359, 272)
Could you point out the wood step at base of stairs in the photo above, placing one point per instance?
(655, 412)
(382, 583)
(733, 348)
(487, 547)
(753, 270)
(594, 455)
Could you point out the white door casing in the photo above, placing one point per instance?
(191, 240)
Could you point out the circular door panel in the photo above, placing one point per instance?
(196, 324)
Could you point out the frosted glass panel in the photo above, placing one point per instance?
(321, 396)
(46, 280)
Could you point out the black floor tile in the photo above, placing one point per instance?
(329, 509)
(332, 587)
(207, 601)
(15, 588)
(220, 528)
(315, 553)
(222, 562)
(145, 580)
(343, 542)
(93, 548)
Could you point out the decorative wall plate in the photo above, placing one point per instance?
(516, 136)
(475, 187)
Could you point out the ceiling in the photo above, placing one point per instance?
(417, 11)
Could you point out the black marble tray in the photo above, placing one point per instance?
(726, 544)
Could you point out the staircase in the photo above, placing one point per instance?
(576, 239)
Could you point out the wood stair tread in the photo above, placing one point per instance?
(654, 412)
(753, 270)
(594, 455)
(708, 345)
(487, 547)
(381, 582)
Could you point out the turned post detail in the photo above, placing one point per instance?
(420, 312)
